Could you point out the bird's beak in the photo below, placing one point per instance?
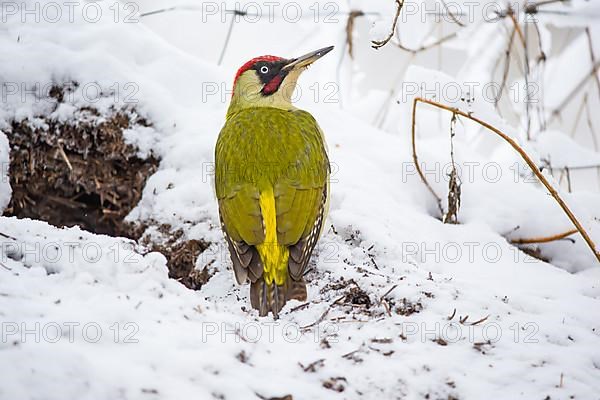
(307, 59)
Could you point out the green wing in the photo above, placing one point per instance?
(261, 147)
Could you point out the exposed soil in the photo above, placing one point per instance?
(77, 174)
(181, 254)
(84, 173)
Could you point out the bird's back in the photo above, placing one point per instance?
(271, 178)
(265, 144)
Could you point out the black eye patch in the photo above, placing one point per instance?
(266, 70)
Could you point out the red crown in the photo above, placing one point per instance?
(250, 63)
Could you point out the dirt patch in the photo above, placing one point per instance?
(357, 296)
(78, 174)
(181, 253)
(84, 173)
(408, 307)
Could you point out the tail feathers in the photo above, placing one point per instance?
(265, 298)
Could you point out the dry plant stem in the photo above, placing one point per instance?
(506, 66)
(64, 156)
(376, 44)
(527, 93)
(4, 235)
(568, 173)
(579, 113)
(454, 184)
(519, 150)
(544, 239)
(429, 46)
(350, 29)
(544, 2)
(227, 37)
(575, 90)
(416, 161)
(592, 56)
(511, 14)
(452, 16)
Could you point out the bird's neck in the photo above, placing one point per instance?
(276, 100)
(246, 94)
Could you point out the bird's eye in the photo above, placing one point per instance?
(264, 69)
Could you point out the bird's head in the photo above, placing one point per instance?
(269, 81)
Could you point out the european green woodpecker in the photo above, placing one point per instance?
(272, 181)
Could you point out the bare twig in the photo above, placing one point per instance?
(450, 318)
(64, 156)
(479, 321)
(376, 44)
(350, 29)
(227, 37)
(527, 92)
(7, 236)
(387, 292)
(523, 155)
(428, 46)
(312, 367)
(451, 15)
(542, 56)
(544, 239)
(322, 317)
(513, 18)
(579, 113)
(575, 90)
(416, 160)
(353, 352)
(592, 56)
(568, 174)
(506, 66)
(300, 307)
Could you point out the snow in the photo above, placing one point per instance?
(5, 190)
(111, 324)
(561, 151)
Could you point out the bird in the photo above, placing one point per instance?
(271, 181)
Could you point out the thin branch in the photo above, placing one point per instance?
(568, 173)
(592, 133)
(64, 156)
(527, 93)
(523, 155)
(376, 44)
(452, 316)
(575, 90)
(592, 57)
(350, 29)
(579, 114)
(542, 56)
(7, 236)
(227, 37)
(452, 16)
(429, 46)
(387, 292)
(479, 321)
(544, 239)
(513, 18)
(506, 66)
(416, 161)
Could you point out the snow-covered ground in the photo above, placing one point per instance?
(400, 304)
